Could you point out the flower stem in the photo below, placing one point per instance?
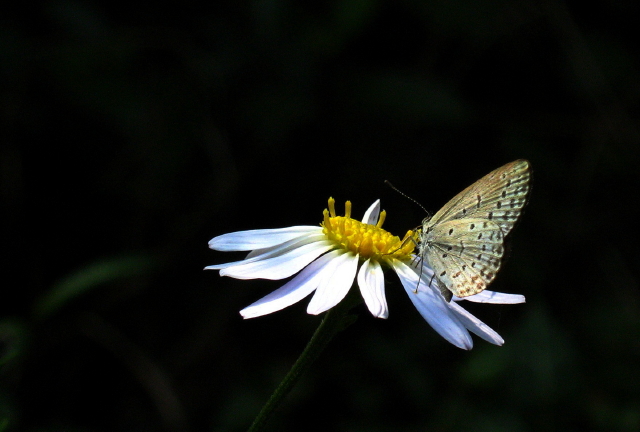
(334, 321)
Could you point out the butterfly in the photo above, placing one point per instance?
(464, 242)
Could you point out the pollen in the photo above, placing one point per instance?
(370, 241)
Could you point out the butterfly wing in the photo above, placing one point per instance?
(465, 254)
(499, 196)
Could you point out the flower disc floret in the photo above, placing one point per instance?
(369, 241)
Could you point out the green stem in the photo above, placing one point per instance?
(334, 321)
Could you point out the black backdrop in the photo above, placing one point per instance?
(131, 135)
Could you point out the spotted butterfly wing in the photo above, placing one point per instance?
(464, 241)
(465, 255)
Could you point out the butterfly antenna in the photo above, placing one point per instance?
(388, 183)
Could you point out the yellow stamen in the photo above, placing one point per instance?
(370, 241)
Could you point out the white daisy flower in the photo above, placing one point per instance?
(329, 257)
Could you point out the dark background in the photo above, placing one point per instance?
(131, 135)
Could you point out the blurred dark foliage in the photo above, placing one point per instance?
(131, 135)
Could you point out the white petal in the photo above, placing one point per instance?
(476, 326)
(372, 214)
(274, 251)
(371, 283)
(493, 297)
(433, 308)
(293, 291)
(262, 238)
(335, 284)
(291, 244)
(280, 266)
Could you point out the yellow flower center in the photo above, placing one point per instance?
(370, 241)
